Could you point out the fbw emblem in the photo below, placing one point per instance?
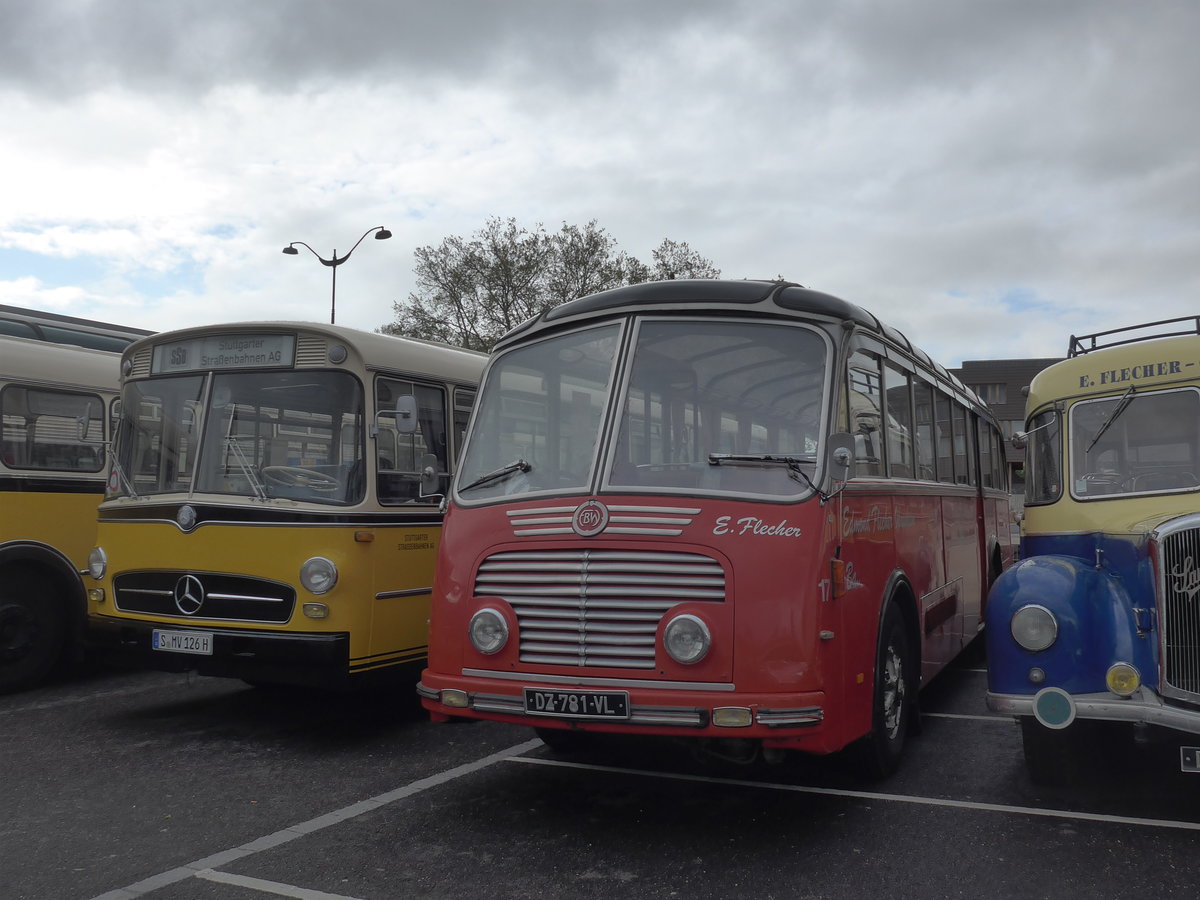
(590, 518)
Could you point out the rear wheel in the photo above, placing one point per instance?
(878, 754)
(32, 629)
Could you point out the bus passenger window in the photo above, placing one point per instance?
(402, 459)
(866, 418)
(899, 407)
(964, 460)
(52, 430)
(923, 395)
(945, 440)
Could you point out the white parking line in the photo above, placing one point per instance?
(870, 795)
(225, 857)
(976, 718)
(269, 887)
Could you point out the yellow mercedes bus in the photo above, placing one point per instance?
(273, 509)
(54, 399)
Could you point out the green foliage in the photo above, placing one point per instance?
(472, 291)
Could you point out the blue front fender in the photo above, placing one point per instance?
(1097, 626)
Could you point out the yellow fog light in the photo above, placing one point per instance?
(732, 716)
(96, 595)
(315, 610)
(1122, 679)
(457, 699)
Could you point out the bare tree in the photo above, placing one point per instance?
(471, 292)
(675, 259)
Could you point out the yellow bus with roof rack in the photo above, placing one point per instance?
(1100, 621)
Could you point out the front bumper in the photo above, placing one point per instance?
(275, 657)
(654, 708)
(1145, 706)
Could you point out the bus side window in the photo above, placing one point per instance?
(866, 417)
(945, 439)
(964, 460)
(899, 423)
(53, 430)
(402, 459)
(923, 395)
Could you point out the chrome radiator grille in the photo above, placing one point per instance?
(596, 607)
(1181, 613)
(204, 595)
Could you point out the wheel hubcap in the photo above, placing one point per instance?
(894, 690)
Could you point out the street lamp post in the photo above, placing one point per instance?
(381, 234)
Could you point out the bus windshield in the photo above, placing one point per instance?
(1138, 443)
(296, 435)
(710, 406)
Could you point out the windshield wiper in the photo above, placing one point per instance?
(1120, 408)
(517, 465)
(792, 462)
(247, 467)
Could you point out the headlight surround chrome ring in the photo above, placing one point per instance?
(318, 575)
(1034, 628)
(488, 631)
(97, 563)
(687, 639)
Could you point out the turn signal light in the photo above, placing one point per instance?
(838, 573)
(732, 717)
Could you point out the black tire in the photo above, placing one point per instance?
(893, 705)
(1049, 753)
(33, 629)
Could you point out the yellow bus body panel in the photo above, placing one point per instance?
(66, 522)
(396, 559)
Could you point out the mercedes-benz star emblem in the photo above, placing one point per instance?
(189, 595)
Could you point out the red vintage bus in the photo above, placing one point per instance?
(745, 513)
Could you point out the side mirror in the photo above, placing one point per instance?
(839, 456)
(406, 414)
(1019, 440)
(430, 481)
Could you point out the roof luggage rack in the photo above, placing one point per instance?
(1085, 343)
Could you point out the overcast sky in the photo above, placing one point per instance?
(990, 177)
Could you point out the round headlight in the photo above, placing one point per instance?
(488, 631)
(686, 639)
(1123, 679)
(97, 563)
(318, 575)
(1034, 627)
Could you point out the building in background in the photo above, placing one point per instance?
(1001, 383)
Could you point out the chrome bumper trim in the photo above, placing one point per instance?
(685, 717)
(610, 683)
(1144, 706)
(783, 718)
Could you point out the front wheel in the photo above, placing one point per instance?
(878, 754)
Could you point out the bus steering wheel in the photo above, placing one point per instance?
(295, 476)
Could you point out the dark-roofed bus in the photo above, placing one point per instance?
(744, 513)
(273, 508)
